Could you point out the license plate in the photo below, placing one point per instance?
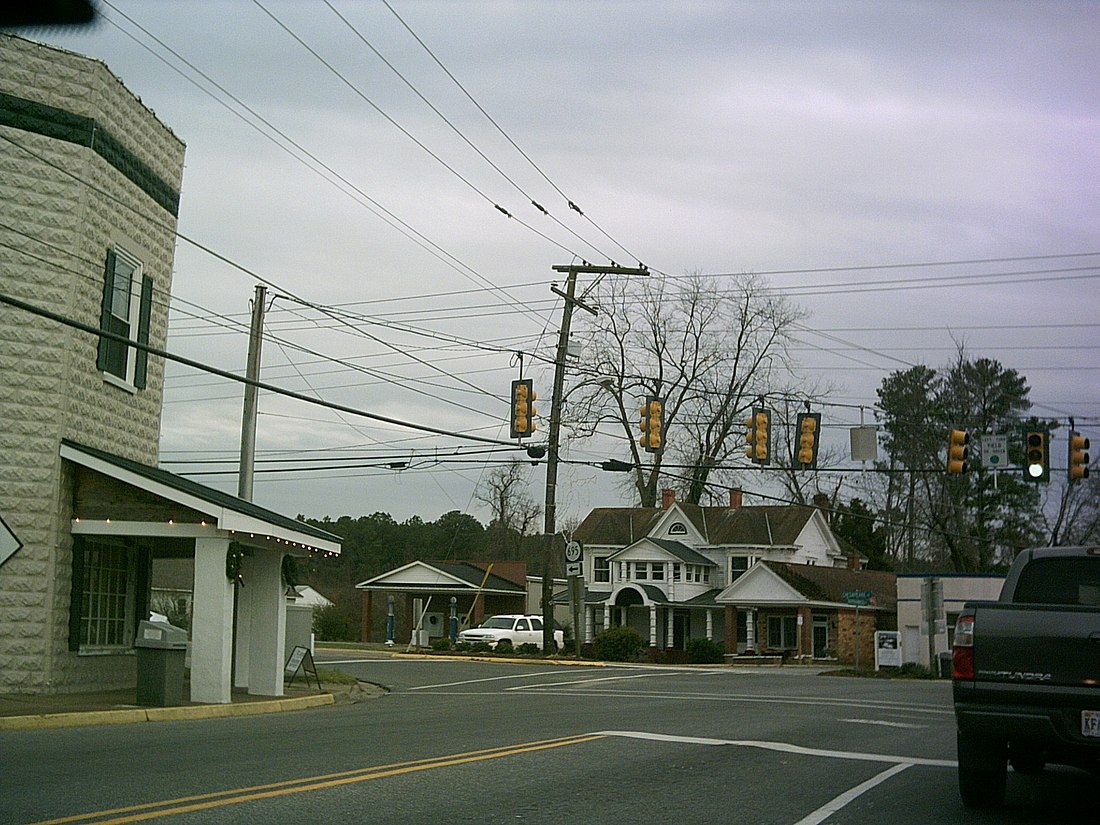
(1090, 723)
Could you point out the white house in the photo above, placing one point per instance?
(675, 573)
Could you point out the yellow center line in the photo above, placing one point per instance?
(217, 799)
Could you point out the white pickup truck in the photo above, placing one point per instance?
(510, 630)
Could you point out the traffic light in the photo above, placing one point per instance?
(957, 451)
(1078, 457)
(758, 437)
(523, 408)
(652, 425)
(809, 426)
(1037, 455)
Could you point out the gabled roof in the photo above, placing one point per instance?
(817, 583)
(682, 552)
(227, 511)
(768, 526)
(441, 577)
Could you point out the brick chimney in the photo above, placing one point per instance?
(668, 497)
(737, 498)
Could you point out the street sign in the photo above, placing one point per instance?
(573, 568)
(573, 551)
(994, 450)
(858, 598)
(9, 542)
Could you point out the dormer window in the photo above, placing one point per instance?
(677, 528)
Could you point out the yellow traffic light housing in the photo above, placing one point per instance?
(758, 436)
(1078, 457)
(652, 425)
(809, 429)
(1037, 455)
(957, 451)
(523, 408)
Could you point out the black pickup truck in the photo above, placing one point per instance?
(1026, 673)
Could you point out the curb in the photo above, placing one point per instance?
(127, 716)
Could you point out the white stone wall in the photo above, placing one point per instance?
(53, 257)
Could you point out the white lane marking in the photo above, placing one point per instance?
(585, 681)
(748, 698)
(831, 807)
(784, 747)
(489, 679)
(883, 723)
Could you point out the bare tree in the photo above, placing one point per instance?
(504, 491)
(707, 352)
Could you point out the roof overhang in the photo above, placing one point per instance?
(228, 516)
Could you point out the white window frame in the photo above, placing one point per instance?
(601, 569)
(135, 299)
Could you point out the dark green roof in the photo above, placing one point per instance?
(683, 552)
(203, 493)
(828, 584)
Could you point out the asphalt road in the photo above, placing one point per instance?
(459, 741)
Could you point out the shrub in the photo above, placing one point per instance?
(527, 647)
(441, 644)
(481, 647)
(705, 652)
(618, 644)
(331, 624)
(504, 646)
(463, 647)
(914, 670)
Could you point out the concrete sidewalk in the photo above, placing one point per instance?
(118, 707)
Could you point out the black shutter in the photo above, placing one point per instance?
(143, 583)
(76, 594)
(105, 312)
(141, 362)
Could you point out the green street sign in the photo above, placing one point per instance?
(858, 598)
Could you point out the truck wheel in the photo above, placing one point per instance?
(504, 646)
(983, 766)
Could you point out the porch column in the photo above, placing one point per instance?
(730, 615)
(606, 615)
(589, 623)
(750, 630)
(211, 624)
(242, 632)
(267, 640)
(670, 631)
(653, 625)
(710, 624)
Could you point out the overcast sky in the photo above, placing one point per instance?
(822, 144)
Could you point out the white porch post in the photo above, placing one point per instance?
(589, 623)
(606, 615)
(710, 624)
(750, 630)
(243, 630)
(653, 625)
(670, 631)
(267, 637)
(212, 624)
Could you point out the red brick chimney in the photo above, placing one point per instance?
(737, 498)
(668, 497)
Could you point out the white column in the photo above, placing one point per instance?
(211, 624)
(750, 630)
(653, 625)
(710, 624)
(267, 637)
(606, 615)
(589, 623)
(670, 631)
(243, 630)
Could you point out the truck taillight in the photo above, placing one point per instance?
(962, 654)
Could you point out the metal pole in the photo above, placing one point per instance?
(248, 420)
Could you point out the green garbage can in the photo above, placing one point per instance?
(160, 649)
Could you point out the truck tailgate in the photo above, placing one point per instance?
(1037, 644)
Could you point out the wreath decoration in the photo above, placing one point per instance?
(234, 560)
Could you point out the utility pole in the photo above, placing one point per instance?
(252, 372)
(550, 505)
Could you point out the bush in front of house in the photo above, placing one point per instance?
(441, 645)
(331, 624)
(705, 652)
(618, 644)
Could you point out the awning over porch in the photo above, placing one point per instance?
(232, 541)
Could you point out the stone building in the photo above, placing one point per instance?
(89, 196)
